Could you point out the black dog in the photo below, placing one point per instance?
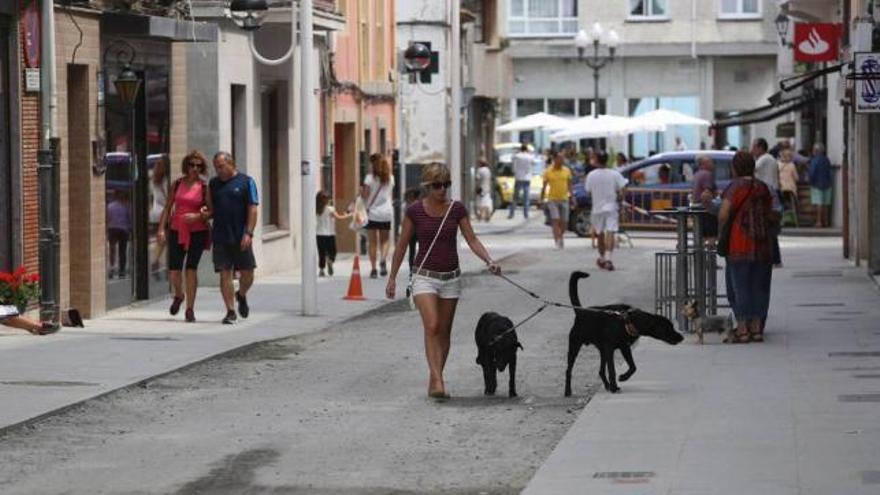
(610, 328)
(496, 349)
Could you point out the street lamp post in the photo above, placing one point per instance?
(248, 15)
(596, 62)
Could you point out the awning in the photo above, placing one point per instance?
(163, 28)
(768, 112)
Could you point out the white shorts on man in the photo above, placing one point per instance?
(603, 184)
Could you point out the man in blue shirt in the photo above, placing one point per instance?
(235, 201)
(820, 185)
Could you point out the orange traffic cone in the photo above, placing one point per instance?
(355, 290)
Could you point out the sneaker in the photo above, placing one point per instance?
(321, 273)
(230, 318)
(383, 269)
(175, 305)
(609, 266)
(330, 268)
(190, 315)
(374, 274)
(243, 308)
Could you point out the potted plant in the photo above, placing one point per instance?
(19, 288)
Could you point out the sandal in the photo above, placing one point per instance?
(756, 337)
(46, 328)
(737, 338)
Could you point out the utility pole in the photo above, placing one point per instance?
(309, 160)
(455, 165)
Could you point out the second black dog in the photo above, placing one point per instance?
(496, 350)
(610, 328)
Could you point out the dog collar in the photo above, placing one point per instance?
(631, 329)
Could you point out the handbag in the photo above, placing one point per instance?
(359, 219)
(723, 245)
(409, 285)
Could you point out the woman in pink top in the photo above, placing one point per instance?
(188, 208)
(436, 274)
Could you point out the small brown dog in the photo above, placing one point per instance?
(707, 323)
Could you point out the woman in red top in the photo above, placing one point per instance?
(437, 276)
(188, 208)
(748, 207)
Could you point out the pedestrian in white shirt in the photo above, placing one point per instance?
(522, 171)
(605, 187)
(484, 191)
(766, 168)
(325, 231)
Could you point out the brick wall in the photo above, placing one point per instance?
(82, 195)
(30, 144)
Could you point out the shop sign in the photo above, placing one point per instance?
(785, 130)
(816, 42)
(30, 27)
(31, 80)
(867, 82)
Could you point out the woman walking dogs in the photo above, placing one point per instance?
(436, 284)
(188, 209)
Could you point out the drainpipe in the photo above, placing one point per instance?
(693, 29)
(48, 171)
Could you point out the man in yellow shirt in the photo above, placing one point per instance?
(558, 177)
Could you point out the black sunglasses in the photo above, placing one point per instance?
(193, 163)
(439, 185)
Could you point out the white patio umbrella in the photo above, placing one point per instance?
(603, 126)
(661, 118)
(533, 122)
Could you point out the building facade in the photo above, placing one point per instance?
(851, 137)
(359, 109)
(19, 138)
(250, 109)
(716, 58)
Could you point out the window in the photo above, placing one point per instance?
(543, 17)
(379, 42)
(562, 108)
(585, 107)
(6, 223)
(647, 9)
(528, 106)
(271, 128)
(740, 9)
(364, 31)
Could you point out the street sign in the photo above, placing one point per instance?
(816, 42)
(31, 80)
(866, 97)
(785, 130)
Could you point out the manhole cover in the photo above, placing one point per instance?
(821, 305)
(870, 477)
(146, 339)
(625, 476)
(856, 368)
(47, 383)
(855, 354)
(859, 398)
(834, 319)
(817, 274)
(870, 375)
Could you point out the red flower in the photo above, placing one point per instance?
(20, 271)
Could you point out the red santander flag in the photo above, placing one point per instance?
(816, 42)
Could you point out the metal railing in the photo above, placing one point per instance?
(644, 207)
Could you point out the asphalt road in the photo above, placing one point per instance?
(342, 410)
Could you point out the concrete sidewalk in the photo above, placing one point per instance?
(42, 375)
(799, 414)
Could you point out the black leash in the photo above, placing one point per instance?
(545, 303)
(513, 328)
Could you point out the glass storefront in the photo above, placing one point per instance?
(136, 189)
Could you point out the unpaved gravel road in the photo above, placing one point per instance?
(338, 411)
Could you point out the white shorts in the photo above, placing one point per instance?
(444, 289)
(606, 221)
